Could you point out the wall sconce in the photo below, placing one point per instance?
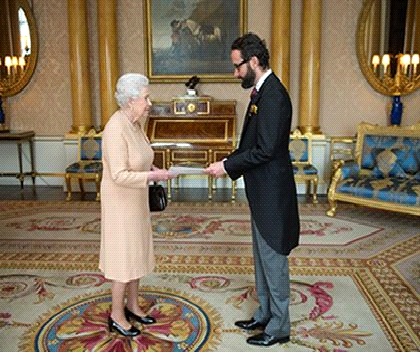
(399, 75)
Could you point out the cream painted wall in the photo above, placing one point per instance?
(346, 97)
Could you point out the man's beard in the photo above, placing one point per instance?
(249, 79)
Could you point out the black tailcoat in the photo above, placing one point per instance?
(263, 159)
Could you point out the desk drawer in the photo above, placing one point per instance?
(179, 156)
(160, 159)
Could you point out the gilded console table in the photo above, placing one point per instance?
(192, 130)
(20, 137)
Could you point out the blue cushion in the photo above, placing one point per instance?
(73, 168)
(95, 167)
(408, 158)
(387, 165)
(369, 157)
(304, 169)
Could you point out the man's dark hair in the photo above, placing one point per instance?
(251, 45)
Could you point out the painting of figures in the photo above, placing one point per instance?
(192, 37)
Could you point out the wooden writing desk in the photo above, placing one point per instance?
(192, 130)
(19, 137)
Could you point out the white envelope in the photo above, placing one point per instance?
(186, 170)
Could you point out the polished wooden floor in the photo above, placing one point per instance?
(14, 192)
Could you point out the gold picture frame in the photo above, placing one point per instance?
(190, 37)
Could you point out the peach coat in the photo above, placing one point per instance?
(126, 251)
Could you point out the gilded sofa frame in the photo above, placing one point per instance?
(377, 130)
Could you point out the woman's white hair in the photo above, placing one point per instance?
(129, 86)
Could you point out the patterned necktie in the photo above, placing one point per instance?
(253, 92)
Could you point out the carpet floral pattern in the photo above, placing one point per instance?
(355, 280)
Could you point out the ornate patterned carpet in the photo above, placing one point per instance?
(355, 280)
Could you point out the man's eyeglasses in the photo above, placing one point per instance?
(237, 66)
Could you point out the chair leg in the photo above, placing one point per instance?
(315, 189)
(98, 187)
(68, 184)
(169, 185)
(177, 182)
(233, 190)
(210, 187)
(308, 188)
(82, 189)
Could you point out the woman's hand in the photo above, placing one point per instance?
(160, 175)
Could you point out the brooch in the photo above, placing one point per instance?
(254, 109)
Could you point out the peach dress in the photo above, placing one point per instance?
(126, 232)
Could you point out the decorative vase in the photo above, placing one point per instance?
(396, 110)
(2, 117)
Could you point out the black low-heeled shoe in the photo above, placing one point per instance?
(147, 320)
(112, 325)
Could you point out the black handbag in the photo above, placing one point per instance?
(157, 197)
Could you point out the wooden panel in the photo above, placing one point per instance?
(223, 108)
(201, 130)
(219, 155)
(159, 160)
(189, 156)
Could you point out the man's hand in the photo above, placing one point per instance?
(216, 169)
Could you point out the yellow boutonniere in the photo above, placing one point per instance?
(254, 109)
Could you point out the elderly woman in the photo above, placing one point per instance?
(126, 252)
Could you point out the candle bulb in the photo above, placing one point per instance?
(15, 66)
(375, 62)
(8, 63)
(415, 61)
(385, 61)
(405, 61)
(22, 63)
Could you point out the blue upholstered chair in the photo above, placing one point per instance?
(89, 164)
(300, 148)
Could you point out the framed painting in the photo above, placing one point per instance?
(192, 37)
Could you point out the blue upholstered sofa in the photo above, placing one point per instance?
(385, 173)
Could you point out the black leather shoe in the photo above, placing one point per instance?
(250, 324)
(147, 320)
(112, 325)
(263, 339)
